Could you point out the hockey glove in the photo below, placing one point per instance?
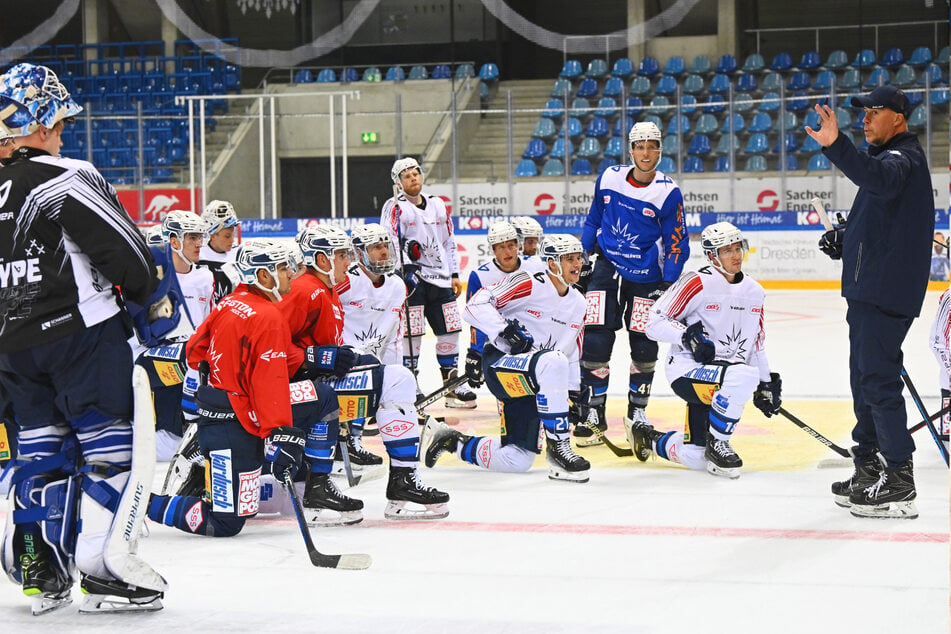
(474, 369)
(519, 339)
(767, 395)
(655, 294)
(579, 405)
(831, 243)
(584, 278)
(284, 449)
(414, 250)
(700, 346)
(335, 360)
(410, 278)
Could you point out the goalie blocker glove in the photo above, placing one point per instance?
(767, 395)
(284, 449)
(517, 337)
(700, 346)
(335, 360)
(831, 243)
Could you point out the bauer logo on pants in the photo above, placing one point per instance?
(222, 488)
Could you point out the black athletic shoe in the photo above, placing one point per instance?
(867, 472)
(722, 460)
(892, 495)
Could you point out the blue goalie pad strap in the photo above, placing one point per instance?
(38, 466)
(104, 494)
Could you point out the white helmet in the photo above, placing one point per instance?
(401, 165)
(220, 214)
(558, 246)
(154, 236)
(717, 236)
(365, 236)
(645, 131)
(260, 253)
(501, 232)
(527, 228)
(326, 239)
(179, 223)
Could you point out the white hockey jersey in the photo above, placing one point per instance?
(198, 287)
(486, 275)
(555, 322)
(432, 228)
(207, 254)
(373, 315)
(731, 314)
(939, 338)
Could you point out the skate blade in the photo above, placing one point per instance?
(588, 441)
(561, 475)
(723, 472)
(843, 501)
(42, 604)
(457, 404)
(892, 510)
(320, 518)
(400, 510)
(108, 604)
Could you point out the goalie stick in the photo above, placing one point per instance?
(353, 561)
(845, 453)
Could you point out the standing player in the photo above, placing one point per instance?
(218, 254)
(248, 411)
(530, 236)
(713, 321)
(940, 340)
(363, 386)
(636, 226)
(533, 326)
(421, 225)
(65, 365)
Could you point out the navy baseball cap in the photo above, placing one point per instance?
(885, 97)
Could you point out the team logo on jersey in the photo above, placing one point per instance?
(169, 373)
(222, 488)
(193, 516)
(534, 313)
(515, 384)
(647, 211)
(756, 310)
(733, 344)
(249, 492)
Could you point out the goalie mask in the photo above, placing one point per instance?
(220, 214)
(32, 97)
(556, 247)
(325, 239)
(366, 236)
(717, 236)
(269, 255)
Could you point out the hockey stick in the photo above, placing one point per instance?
(347, 467)
(845, 453)
(941, 412)
(823, 215)
(353, 561)
(425, 401)
(924, 413)
(620, 452)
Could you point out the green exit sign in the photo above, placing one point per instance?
(370, 137)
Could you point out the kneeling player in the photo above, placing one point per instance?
(533, 369)
(246, 341)
(713, 319)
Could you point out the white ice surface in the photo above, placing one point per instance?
(640, 548)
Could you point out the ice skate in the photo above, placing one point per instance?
(109, 595)
(360, 458)
(865, 475)
(641, 435)
(721, 459)
(324, 505)
(441, 439)
(462, 396)
(564, 463)
(584, 434)
(404, 488)
(44, 583)
(891, 496)
(370, 427)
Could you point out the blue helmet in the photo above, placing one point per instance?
(32, 96)
(325, 239)
(266, 254)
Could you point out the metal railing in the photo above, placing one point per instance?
(817, 30)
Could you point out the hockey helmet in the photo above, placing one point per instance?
(154, 236)
(32, 96)
(645, 131)
(527, 227)
(257, 254)
(220, 214)
(556, 247)
(401, 165)
(326, 239)
(719, 235)
(502, 232)
(363, 237)
(178, 223)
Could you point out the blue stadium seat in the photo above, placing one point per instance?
(918, 118)
(613, 87)
(675, 66)
(489, 72)
(640, 86)
(418, 72)
(878, 77)
(920, 56)
(811, 120)
(303, 76)
(589, 149)
(892, 57)
(634, 106)
(678, 125)
(739, 123)
(659, 106)
(905, 76)
(823, 80)
(535, 150)
(798, 80)
(349, 75)
(597, 68)
(326, 76)
(693, 165)
(693, 85)
(798, 102)
(615, 148)
(653, 118)
(933, 72)
(558, 148)
(545, 129)
(666, 85)
(575, 129)
(810, 61)
(701, 65)
(607, 107)
(746, 82)
(722, 164)
(837, 59)
(580, 107)
(715, 104)
(772, 82)
(688, 104)
(587, 88)
(720, 83)
(864, 59)
(942, 57)
(667, 165)
(561, 88)
(554, 109)
(699, 145)
(743, 102)
(818, 162)
(781, 62)
(553, 167)
(571, 69)
(606, 163)
(756, 144)
(754, 63)
(622, 68)
(648, 67)
(706, 124)
(809, 146)
(850, 80)
(770, 102)
(581, 167)
(597, 128)
(526, 168)
(441, 71)
(755, 163)
(939, 97)
(792, 143)
(726, 64)
(792, 163)
(915, 98)
(465, 71)
(672, 144)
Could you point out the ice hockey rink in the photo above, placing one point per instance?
(643, 547)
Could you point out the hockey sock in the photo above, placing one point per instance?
(400, 436)
(320, 445)
(468, 451)
(638, 389)
(185, 513)
(660, 447)
(721, 426)
(555, 425)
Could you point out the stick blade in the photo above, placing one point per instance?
(354, 561)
